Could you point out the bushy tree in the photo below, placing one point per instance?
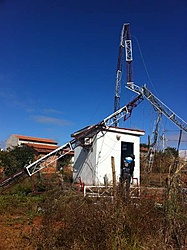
(163, 160)
(171, 152)
(16, 158)
(144, 145)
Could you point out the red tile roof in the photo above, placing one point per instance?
(42, 146)
(46, 148)
(35, 139)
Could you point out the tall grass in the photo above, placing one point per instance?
(70, 221)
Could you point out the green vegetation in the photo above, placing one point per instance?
(16, 158)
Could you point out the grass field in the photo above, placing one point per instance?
(61, 218)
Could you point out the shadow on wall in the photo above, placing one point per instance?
(82, 168)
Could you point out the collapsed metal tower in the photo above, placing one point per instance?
(113, 119)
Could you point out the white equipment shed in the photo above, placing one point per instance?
(92, 154)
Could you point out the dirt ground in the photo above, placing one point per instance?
(15, 231)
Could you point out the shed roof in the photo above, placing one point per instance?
(135, 132)
(91, 130)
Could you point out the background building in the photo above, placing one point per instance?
(42, 146)
(37, 143)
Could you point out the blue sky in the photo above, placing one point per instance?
(58, 64)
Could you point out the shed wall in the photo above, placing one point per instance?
(110, 145)
(94, 164)
(84, 164)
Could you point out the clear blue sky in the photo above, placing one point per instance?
(58, 64)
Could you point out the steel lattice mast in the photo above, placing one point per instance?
(125, 44)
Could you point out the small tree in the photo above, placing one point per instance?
(17, 158)
(171, 152)
(163, 160)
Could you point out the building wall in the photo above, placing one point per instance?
(12, 141)
(34, 143)
(49, 165)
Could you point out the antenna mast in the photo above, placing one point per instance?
(125, 42)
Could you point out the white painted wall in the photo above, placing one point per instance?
(108, 146)
(92, 165)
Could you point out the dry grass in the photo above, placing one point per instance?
(73, 222)
(61, 218)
